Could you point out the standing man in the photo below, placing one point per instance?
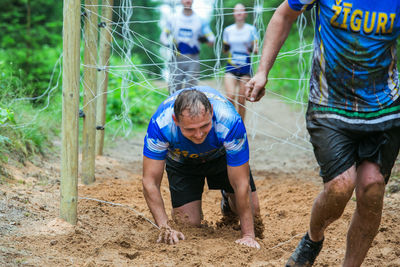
(353, 114)
(240, 40)
(187, 31)
(197, 133)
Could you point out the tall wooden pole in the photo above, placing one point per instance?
(102, 82)
(90, 91)
(70, 109)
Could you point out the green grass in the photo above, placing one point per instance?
(31, 132)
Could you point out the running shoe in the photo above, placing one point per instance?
(305, 253)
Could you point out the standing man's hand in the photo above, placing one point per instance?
(169, 236)
(255, 88)
(248, 241)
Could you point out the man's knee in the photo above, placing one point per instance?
(190, 213)
(341, 187)
(184, 218)
(370, 184)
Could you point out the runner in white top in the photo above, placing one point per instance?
(187, 30)
(240, 40)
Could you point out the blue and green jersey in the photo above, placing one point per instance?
(354, 63)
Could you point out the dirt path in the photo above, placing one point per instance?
(108, 235)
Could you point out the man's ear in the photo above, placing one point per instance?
(175, 120)
(212, 110)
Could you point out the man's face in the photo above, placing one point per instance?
(194, 128)
(187, 3)
(239, 12)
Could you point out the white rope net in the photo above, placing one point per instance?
(152, 77)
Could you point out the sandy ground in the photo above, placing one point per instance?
(120, 232)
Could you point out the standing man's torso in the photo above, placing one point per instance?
(186, 30)
(354, 62)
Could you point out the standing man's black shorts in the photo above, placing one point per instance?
(341, 140)
(186, 180)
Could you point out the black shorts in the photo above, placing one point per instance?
(338, 145)
(186, 181)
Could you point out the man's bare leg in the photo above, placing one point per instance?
(330, 203)
(189, 213)
(364, 226)
(328, 207)
(242, 96)
(230, 83)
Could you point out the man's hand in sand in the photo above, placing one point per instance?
(255, 88)
(169, 236)
(248, 241)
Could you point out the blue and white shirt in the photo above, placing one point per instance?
(186, 31)
(354, 63)
(241, 42)
(164, 138)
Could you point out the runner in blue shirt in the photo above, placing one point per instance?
(187, 30)
(196, 133)
(353, 114)
(240, 41)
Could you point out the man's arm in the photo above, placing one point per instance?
(152, 176)
(207, 35)
(164, 37)
(276, 34)
(165, 33)
(239, 179)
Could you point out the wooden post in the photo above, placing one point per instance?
(90, 91)
(102, 82)
(70, 109)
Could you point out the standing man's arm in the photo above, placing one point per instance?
(239, 179)
(165, 33)
(152, 176)
(207, 36)
(277, 31)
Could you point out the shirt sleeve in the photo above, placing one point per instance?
(155, 144)
(301, 5)
(206, 32)
(225, 38)
(254, 34)
(166, 31)
(236, 145)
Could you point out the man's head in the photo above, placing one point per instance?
(187, 4)
(239, 12)
(193, 115)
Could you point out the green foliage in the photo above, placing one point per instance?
(24, 128)
(142, 104)
(146, 34)
(29, 32)
(138, 98)
(11, 79)
(6, 115)
(29, 131)
(288, 67)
